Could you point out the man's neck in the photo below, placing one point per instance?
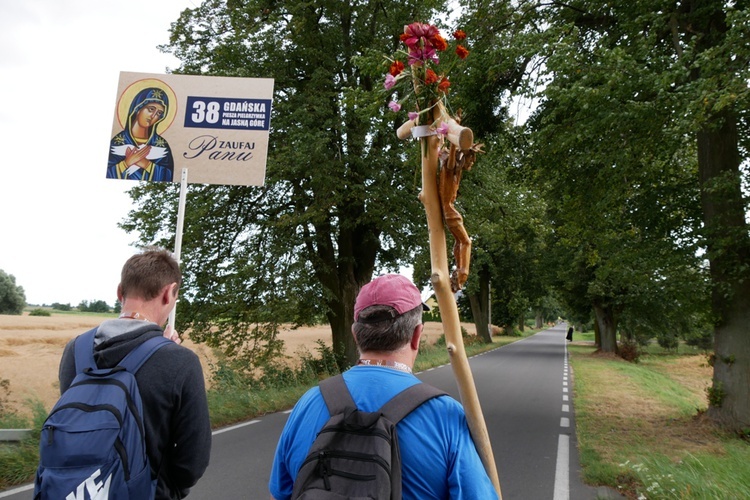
(396, 365)
(140, 310)
(401, 358)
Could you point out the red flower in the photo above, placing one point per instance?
(459, 35)
(439, 43)
(462, 51)
(430, 77)
(396, 68)
(443, 85)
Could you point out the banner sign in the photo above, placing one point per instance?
(216, 127)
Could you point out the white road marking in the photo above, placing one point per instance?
(562, 469)
(234, 427)
(16, 490)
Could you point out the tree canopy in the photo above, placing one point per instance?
(340, 198)
(12, 296)
(637, 144)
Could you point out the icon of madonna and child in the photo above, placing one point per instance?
(138, 152)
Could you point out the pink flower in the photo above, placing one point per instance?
(394, 106)
(418, 56)
(442, 129)
(417, 33)
(413, 115)
(415, 58)
(390, 81)
(429, 53)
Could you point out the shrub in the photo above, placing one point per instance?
(630, 351)
(229, 375)
(703, 339)
(93, 306)
(432, 315)
(465, 336)
(716, 395)
(668, 341)
(39, 312)
(643, 339)
(4, 396)
(510, 331)
(226, 375)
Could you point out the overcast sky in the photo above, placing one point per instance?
(60, 62)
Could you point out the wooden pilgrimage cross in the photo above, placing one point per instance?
(461, 143)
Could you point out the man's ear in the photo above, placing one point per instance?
(167, 293)
(416, 336)
(119, 293)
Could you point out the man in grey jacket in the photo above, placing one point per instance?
(178, 430)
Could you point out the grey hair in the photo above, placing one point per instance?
(389, 334)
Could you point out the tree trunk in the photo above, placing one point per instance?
(341, 317)
(522, 323)
(607, 323)
(343, 275)
(480, 309)
(597, 335)
(539, 323)
(729, 256)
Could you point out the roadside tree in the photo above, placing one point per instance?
(339, 201)
(12, 296)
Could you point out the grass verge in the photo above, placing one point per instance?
(641, 427)
(18, 461)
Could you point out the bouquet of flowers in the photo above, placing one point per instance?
(417, 66)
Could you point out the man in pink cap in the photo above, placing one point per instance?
(439, 460)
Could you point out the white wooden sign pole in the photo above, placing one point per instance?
(178, 233)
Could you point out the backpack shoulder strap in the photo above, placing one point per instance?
(135, 358)
(336, 394)
(409, 400)
(83, 347)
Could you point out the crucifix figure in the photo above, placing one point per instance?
(453, 162)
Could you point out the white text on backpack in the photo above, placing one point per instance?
(96, 491)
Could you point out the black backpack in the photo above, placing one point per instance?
(356, 454)
(93, 442)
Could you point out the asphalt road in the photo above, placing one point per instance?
(526, 397)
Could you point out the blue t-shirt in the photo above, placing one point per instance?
(438, 457)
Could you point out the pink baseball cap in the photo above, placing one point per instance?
(391, 290)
